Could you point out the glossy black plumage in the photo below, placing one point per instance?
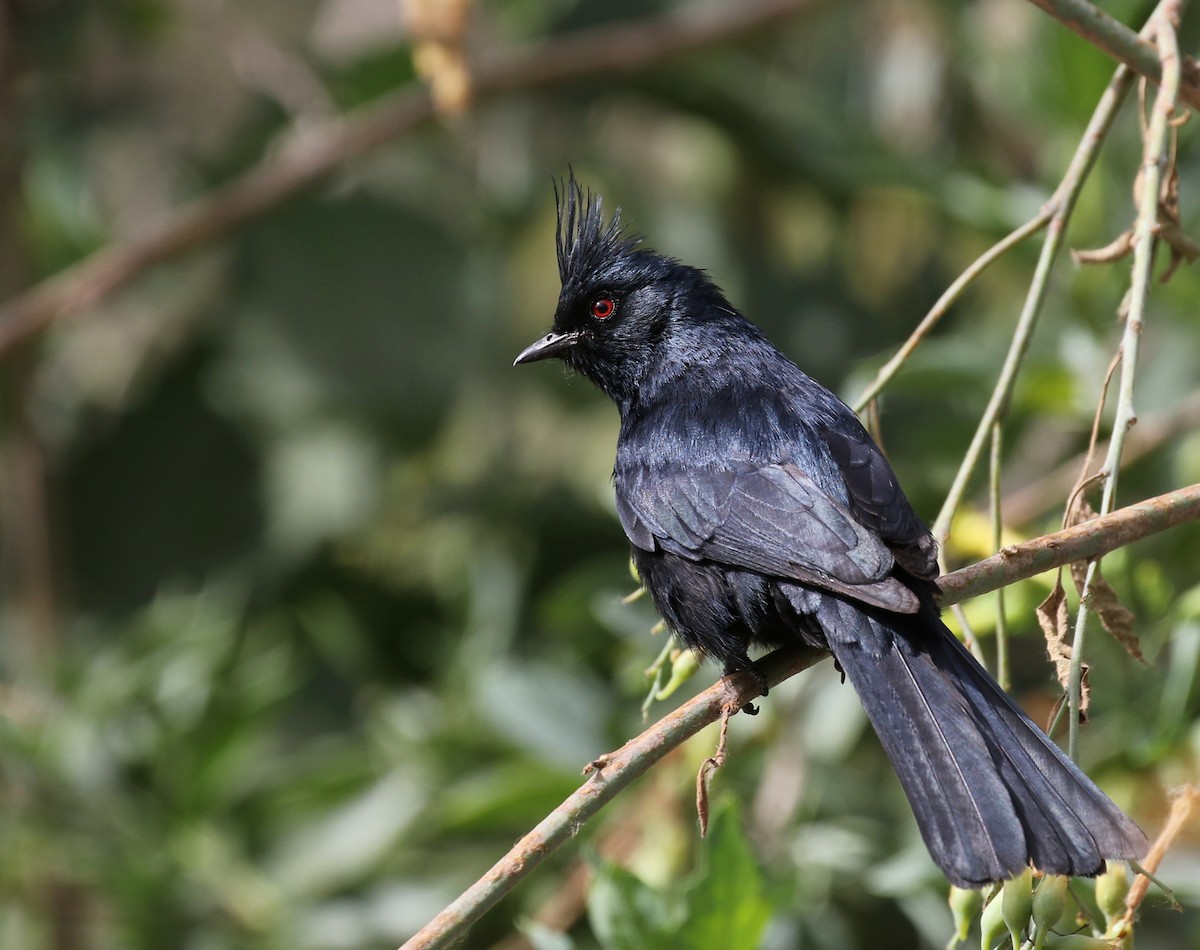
(760, 511)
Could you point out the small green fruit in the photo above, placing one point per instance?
(1016, 905)
(1111, 888)
(965, 904)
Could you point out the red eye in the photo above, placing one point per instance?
(603, 308)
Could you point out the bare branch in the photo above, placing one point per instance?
(1064, 204)
(615, 772)
(947, 300)
(1155, 157)
(1122, 44)
(1083, 541)
(604, 783)
(625, 48)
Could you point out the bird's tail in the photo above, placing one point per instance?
(991, 793)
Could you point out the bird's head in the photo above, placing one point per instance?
(618, 298)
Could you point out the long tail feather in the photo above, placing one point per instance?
(991, 793)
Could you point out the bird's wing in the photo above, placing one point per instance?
(877, 501)
(772, 519)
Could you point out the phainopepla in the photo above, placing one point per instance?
(760, 511)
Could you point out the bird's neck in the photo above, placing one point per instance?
(701, 357)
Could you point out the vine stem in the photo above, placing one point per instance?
(1156, 155)
(946, 301)
(1063, 203)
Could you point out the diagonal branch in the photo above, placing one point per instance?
(1063, 203)
(615, 772)
(1122, 44)
(307, 159)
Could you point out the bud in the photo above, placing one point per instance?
(684, 663)
(1049, 905)
(965, 904)
(1016, 904)
(991, 923)
(1111, 888)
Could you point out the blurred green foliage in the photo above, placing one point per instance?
(331, 611)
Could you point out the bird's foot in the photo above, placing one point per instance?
(760, 681)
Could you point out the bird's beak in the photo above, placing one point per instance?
(552, 344)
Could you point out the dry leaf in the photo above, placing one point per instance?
(1054, 620)
(1080, 511)
(439, 51)
(1114, 616)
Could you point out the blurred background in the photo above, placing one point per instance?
(313, 604)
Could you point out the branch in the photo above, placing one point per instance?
(1037, 495)
(1063, 203)
(1089, 539)
(1122, 44)
(615, 772)
(307, 159)
(610, 776)
(1155, 158)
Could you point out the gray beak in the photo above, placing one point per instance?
(552, 344)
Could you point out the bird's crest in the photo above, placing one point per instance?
(585, 241)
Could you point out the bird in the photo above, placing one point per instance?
(761, 513)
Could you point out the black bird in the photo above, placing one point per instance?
(761, 512)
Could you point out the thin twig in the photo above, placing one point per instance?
(1085, 469)
(1156, 154)
(307, 159)
(621, 767)
(1127, 47)
(1064, 203)
(1122, 44)
(946, 301)
(1002, 673)
(1184, 809)
(1153, 431)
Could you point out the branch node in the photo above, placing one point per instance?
(597, 764)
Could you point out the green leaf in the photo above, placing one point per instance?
(726, 906)
(626, 914)
(720, 906)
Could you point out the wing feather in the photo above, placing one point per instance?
(877, 501)
(772, 519)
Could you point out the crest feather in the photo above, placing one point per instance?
(585, 241)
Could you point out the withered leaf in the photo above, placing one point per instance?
(1081, 510)
(1054, 620)
(1114, 616)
